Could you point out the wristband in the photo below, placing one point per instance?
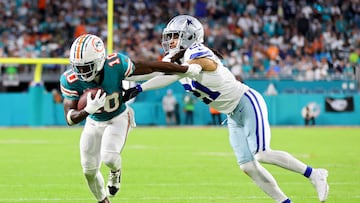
(139, 88)
(68, 117)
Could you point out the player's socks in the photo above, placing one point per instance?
(282, 159)
(113, 184)
(106, 200)
(308, 171)
(95, 182)
(287, 201)
(264, 180)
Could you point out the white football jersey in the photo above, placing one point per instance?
(219, 89)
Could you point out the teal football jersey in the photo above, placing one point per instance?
(116, 67)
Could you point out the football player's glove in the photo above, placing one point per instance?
(131, 93)
(92, 105)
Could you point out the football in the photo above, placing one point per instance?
(83, 98)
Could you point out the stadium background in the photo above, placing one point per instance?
(308, 50)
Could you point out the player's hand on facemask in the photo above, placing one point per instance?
(131, 93)
(193, 70)
(93, 105)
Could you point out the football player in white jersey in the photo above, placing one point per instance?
(108, 119)
(247, 114)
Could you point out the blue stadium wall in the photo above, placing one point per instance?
(36, 107)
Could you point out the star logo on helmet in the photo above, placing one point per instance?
(189, 22)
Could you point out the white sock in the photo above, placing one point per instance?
(264, 180)
(282, 159)
(95, 182)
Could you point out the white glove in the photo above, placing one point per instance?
(92, 105)
(193, 70)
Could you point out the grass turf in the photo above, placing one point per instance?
(180, 165)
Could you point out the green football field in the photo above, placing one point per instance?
(179, 165)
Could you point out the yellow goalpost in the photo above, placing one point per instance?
(38, 62)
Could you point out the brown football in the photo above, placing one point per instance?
(83, 98)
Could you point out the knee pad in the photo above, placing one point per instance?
(111, 160)
(90, 173)
(248, 167)
(261, 156)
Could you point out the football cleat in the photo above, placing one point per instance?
(106, 200)
(113, 184)
(318, 178)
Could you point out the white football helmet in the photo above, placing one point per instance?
(186, 29)
(87, 56)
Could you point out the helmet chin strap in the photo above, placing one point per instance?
(176, 49)
(97, 78)
(173, 51)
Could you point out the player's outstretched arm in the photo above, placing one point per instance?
(143, 77)
(154, 83)
(146, 67)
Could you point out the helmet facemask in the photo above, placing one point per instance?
(88, 71)
(186, 29)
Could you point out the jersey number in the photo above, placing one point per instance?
(70, 78)
(112, 102)
(113, 59)
(197, 88)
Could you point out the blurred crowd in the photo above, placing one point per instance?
(295, 39)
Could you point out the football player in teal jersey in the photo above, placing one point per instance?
(108, 118)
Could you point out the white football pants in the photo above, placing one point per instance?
(102, 142)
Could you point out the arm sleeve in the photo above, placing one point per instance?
(159, 82)
(143, 77)
(146, 67)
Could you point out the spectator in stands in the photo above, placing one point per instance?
(27, 27)
(309, 116)
(273, 70)
(297, 41)
(177, 113)
(10, 77)
(287, 65)
(80, 29)
(57, 98)
(310, 112)
(189, 107)
(354, 57)
(169, 103)
(215, 116)
(322, 68)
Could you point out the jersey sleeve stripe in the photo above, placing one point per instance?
(130, 68)
(69, 93)
(201, 54)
